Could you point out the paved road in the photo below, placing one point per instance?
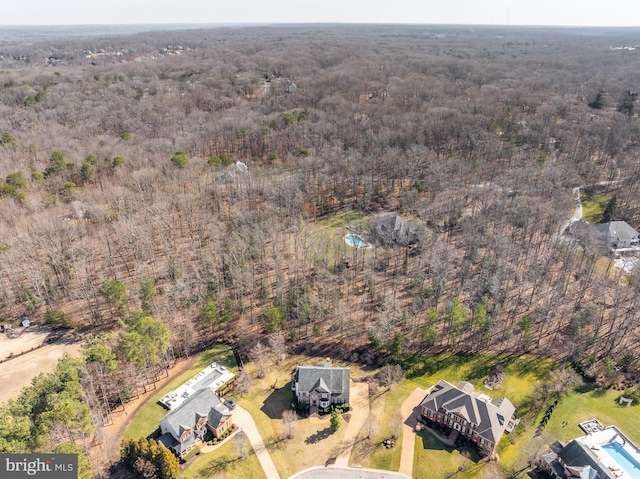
(334, 472)
(243, 419)
(359, 400)
(409, 411)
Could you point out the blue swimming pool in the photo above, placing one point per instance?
(623, 458)
(356, 241)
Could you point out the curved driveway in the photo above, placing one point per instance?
(243, 419)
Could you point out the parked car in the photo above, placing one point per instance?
(229, 403)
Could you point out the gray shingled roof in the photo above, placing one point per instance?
(577, 455)
(323, 377)
(490, 417)
(616, 231)
(187, 415)
(216, 415)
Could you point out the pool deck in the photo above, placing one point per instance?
(597, 439)
(213, 376)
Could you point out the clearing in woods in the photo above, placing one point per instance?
(17, 372)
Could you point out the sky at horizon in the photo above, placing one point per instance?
(470, 12)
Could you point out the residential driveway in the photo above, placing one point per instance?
(243, 419)
(359, 400)
(577, 214)
(409, 411)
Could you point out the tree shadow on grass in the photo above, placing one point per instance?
(586, 387)
(278, 402)
(318, 436)
(276, 442)
(599, 391)
(217, 465)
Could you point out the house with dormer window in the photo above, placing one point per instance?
(321, 386)
(186, 425)
(473, 415)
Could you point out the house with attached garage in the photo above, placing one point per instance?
(321, 386)
(469, 414)
(620, 238)
(186, 425)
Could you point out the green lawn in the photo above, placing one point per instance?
(147, 419)
(342, 219)
(599, 403)
(593, 207)
(435, 460)
(224, 462)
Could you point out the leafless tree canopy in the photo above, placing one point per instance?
(461, 145)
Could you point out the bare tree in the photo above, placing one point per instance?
(290, 422)
(389, 375)
(278, 346)
(244, 382)
(240, 442)
(261, 357)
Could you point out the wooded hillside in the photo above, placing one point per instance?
(120, 190)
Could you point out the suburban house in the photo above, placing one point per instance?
(601, 454)
(321, 385)
(184, 426)
(574, 460)
(473, 415)
(619, 237)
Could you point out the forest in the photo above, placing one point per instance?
(165, 190)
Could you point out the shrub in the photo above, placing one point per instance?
(180, 160)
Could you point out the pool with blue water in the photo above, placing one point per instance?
(356, 241)
(627, 462)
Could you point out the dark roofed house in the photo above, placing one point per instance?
(475, 416)
(183, 427)
(574, 461)
(321, 385)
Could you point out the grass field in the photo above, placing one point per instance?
(593, 207)
(147, 419)
(436, 461)
(224, 463)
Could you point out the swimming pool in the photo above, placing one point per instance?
(356, 241)
(630, 465)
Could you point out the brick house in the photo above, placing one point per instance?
(475, 416)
